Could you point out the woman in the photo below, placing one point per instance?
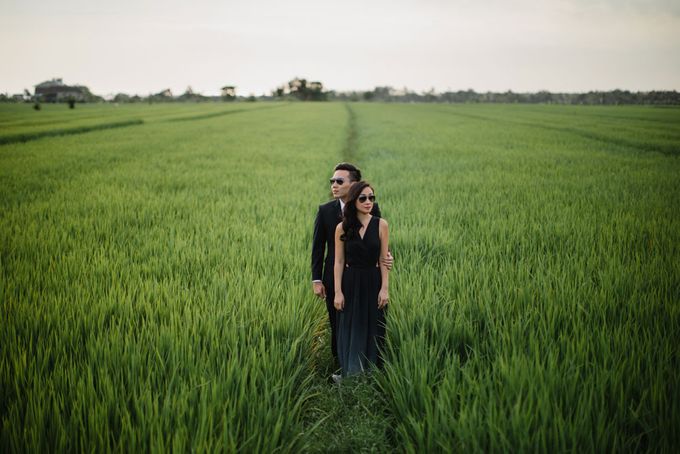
(361, 287)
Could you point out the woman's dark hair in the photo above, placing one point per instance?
(350, 221)
(354, 172)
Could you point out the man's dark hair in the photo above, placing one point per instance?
(354, 172)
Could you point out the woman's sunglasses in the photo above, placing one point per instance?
(363, 197)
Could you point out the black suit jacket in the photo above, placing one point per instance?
(327, 219)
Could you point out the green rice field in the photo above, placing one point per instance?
(155, 287)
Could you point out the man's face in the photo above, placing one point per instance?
(340, 184)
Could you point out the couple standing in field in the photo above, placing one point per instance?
(350, 270)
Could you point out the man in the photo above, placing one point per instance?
(327, 219)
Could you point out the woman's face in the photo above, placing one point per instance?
(365, 201)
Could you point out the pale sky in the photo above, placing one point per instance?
(145, 46)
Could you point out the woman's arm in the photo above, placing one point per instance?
(338, 268)
(383, 296)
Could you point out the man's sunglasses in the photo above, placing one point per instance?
(340, 181)
(363, 197)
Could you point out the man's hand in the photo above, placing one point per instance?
(383, 298)
(388, 261)
(319, 289)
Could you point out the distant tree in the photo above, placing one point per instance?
(121, 98)
(430, 96)
(298, 87)
(190, 95)
(315, 91)
(382, 93)
(163, 96)
(613, 97)
(306, 91)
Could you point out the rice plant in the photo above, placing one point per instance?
(155, 288)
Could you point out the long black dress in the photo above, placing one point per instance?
(361, 325)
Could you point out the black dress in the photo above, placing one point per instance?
(361, 325)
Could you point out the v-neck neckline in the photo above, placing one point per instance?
(365, 228)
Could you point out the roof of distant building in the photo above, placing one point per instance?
(56, 82)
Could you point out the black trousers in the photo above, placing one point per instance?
(332, 319)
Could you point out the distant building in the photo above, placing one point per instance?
(164, 94)
(228, 91)
(56, 90)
